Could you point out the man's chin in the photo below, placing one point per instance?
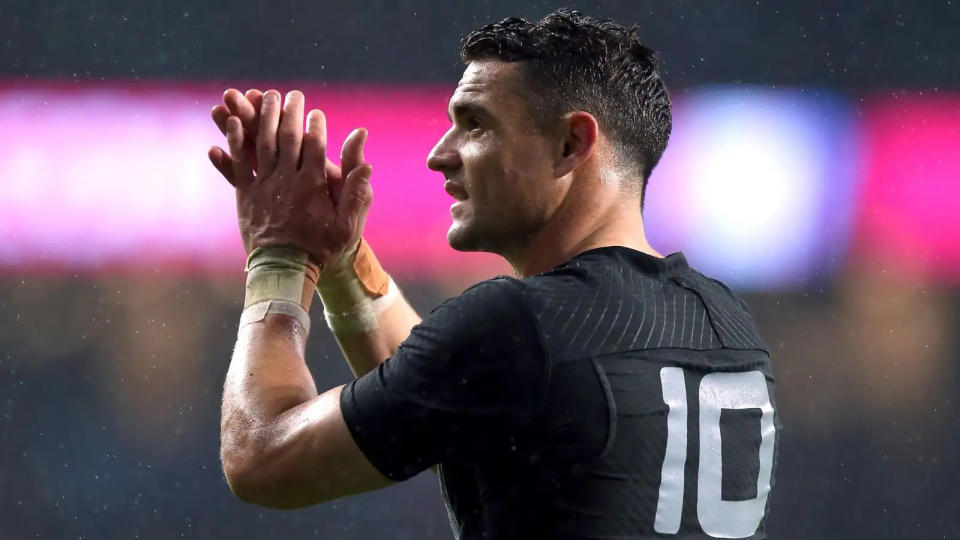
(463, 238)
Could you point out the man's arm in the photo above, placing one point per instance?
(364, 349)
(282, 444)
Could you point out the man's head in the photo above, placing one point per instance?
(537, 104)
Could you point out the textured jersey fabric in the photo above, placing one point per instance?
(577, 404)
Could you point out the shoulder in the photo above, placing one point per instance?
(491, 319)
(500, 290)
(717, 290)
(487, 305)
(731, 317)
(485, 344)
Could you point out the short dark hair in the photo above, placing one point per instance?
(574, 62)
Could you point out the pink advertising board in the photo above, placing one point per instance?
(761, 188)
(100, 176)
(908, 219)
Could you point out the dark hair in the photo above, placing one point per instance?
(574, 62)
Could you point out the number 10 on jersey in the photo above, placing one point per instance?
(718, 518)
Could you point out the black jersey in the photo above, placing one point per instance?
(617, 396)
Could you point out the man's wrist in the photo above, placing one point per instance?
(280, 279)
(355, 291)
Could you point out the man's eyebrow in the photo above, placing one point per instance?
(466, 107)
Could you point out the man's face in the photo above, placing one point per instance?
(497, 164)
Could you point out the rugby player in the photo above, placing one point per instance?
(605, 391)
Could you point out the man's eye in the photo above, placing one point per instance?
(473, 123)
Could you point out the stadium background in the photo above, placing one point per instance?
(814, 166)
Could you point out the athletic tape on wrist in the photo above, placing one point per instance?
(280, 279)
(363, 316)
(355, 291)
(257, 312)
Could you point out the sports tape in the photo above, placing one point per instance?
(355, 291)
(280, 279)
(257, 312)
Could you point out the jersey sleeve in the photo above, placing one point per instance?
(470, 374)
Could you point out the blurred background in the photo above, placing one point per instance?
(814, 166)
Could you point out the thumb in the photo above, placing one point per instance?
(351, 155)
(357, 195)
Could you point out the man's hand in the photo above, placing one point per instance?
(247, 107)
(283, 179)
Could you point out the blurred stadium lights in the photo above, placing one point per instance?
(758, 187)
(909, 216)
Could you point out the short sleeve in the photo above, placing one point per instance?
(470, 374)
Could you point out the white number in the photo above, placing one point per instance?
(670, 502)
(718, 518)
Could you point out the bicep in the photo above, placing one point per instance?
(308, 456)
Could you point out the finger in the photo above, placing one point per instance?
(240, 106)
(220, 113)
(356, 197)
(255, 97)
(351, 154)
(290, 133)
(222, 162)
(267, 133)
(314, 154)
(242, 173)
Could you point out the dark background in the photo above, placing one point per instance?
(110, 383)
(853, 45)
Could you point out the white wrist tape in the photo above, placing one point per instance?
(279, 280)
(355, 311)
(348, 305)
(257, 312)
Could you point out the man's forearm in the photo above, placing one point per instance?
(267, 377)
(267, 374)
(282, 445)
(268, 365)
(364, 309)
(364, 351)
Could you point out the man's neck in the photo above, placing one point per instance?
(568, 235)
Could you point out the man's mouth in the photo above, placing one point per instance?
(455, 190)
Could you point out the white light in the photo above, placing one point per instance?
(749, 168)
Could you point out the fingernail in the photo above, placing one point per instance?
(272, 96)
(289, 95)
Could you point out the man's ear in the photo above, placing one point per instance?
(576, 141)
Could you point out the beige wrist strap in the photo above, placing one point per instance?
(355, 291)
(280, 279)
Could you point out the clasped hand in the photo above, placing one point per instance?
(288, 192)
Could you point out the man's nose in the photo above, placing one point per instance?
(443, 157)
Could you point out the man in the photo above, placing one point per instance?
(604, 392)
